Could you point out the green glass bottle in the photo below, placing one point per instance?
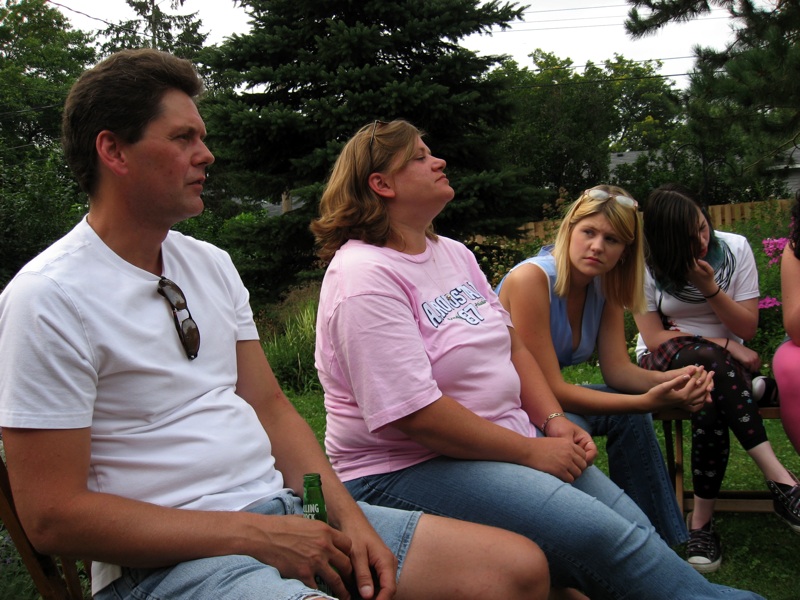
(314, 508)
(313, 500)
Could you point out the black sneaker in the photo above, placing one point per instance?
(703, 550)
(786, 501)
(765, 391)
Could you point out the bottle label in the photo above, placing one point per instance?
(311, 511)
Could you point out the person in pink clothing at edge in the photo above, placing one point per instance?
(787, 356)
(433, 402)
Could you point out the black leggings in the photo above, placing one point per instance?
(732, 407)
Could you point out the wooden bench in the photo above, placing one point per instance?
(54, 578)
(733, 501)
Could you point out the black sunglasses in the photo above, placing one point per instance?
(187, 328)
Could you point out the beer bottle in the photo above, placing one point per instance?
(314, 508)
(313, 500)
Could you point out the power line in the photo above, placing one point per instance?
(580, 26)
(547, 10)
(78, 12)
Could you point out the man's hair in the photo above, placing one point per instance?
(672, 237)
(349, 209)
(121, 94)
(624, 284)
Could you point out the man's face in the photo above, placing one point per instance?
(167, 166)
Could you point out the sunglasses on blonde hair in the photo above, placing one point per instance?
(604, 196)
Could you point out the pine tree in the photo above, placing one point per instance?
(311, 72)
(155, 28)
(749, 89)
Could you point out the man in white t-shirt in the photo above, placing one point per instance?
(143, 426)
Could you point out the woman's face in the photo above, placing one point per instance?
(703, 236)
(421, 181)
(594, 246)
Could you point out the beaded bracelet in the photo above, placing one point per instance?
(719, 289)
(548, 419)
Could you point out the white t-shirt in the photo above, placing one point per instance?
(688, 311)
(87, 341)
(397, 331)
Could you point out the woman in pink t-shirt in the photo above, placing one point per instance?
(432, 401)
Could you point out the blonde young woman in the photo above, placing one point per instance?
(567, 304)
(432, 401)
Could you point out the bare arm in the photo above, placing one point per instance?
(297, 452)
(790, 293)
(526, 295)
(446, 427)
(740, 317)
(654, 335)
(646, 391)
(48, 471)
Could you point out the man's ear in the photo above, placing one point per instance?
(381, 185)
(110, 152)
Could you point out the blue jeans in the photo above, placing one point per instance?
(595, 537)
(636, 464)
(243, 577)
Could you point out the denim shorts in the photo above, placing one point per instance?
(243, 577)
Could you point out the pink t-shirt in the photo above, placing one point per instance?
(395, 332)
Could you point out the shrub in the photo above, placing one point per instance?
(497, 255)
(289, 342)
(765, 230)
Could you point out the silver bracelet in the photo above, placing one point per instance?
(548, 419)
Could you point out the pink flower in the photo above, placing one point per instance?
(768, 302)
(773, 247)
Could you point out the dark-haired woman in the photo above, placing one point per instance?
(702, 304)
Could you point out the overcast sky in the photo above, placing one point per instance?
(581, 30)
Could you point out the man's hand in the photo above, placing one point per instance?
(302, 549)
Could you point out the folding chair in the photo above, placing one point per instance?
(52, 582)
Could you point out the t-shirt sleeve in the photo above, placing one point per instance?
(240, 297)
(650, 292)
(47, 374)
(382, 358)
(746, 274)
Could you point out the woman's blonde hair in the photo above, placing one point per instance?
(624, 284)
(349, 208)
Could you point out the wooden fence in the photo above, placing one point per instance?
(722, 215)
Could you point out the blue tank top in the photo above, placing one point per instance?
(560, 330)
